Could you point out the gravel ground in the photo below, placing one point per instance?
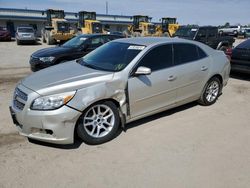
(190, 146)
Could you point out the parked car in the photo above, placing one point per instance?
(207, 35)
(240, 59)
(119, 82)
(246, 32)
(4, 34)
(72, 49)
(231, 30)
(25, 34)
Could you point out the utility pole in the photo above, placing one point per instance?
(107, 8)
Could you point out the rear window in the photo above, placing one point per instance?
(184, 53)
(245, 44)
(25, 30)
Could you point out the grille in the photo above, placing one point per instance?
(20, 99)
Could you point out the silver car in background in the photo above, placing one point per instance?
(119, 82)
(25, 34)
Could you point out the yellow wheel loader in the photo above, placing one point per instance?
(141, 27)
(168, 27)
(87, 23)
(56, 28)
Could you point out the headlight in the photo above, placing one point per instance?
(52, 102)
(46, 59)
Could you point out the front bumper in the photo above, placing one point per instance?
(5, 37)
(55, 126)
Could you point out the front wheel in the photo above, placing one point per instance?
(210, 92)
(99, 123)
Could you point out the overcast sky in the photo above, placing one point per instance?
(202, 12)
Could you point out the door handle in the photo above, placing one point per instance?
(204, 68)
(171, 78)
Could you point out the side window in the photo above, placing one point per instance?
(96, 42)
(184, 53)
(201, 53)
(212, 33)
(158, 58)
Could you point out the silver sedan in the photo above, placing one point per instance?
(25, 34)
(119, 82)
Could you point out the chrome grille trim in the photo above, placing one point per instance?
(19, 99)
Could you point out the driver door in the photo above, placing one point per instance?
(149, 93)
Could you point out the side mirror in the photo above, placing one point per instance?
(142, 71)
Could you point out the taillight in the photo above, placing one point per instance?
(228, 52)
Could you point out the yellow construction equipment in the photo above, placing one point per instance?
(141, 27)
(168, 27)
(87, 23)
(56, 28)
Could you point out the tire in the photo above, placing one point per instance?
(49, 39)
(235, 33)
(99, 123)
(210, 92)
(43, 39)
(18, 42)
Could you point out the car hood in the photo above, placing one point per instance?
(65, 77)
(53, 51)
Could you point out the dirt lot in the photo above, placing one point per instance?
(191, 146)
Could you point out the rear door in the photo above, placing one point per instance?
(148, 93)
(191, 67)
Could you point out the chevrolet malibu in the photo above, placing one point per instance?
(119, 82)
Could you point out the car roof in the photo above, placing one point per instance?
(146, 41)
(152, 41)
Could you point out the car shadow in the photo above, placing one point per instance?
(160, 115)
(30, 44)
(75, 145)
(78, 142)
(240, 76)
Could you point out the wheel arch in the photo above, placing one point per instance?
(116, 103)
(218, 76)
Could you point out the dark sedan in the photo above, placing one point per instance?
(240, 60)
(4, 34)
(72, 49)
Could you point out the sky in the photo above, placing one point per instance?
(201, 12)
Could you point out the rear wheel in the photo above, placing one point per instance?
(49, 39)
(99, 123)
(43, 39)
(18, 42)
(210, 92)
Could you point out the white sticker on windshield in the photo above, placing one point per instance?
(193, 29)
(83, 38)
(136, 47)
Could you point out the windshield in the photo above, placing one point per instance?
(25, 30)
(186, 32)
(75, 42)
(113, 56)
